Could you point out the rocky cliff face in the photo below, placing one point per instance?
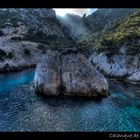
(26, 34)
(76, 25)
(38, 20)
(71, 74)
(118, 66)
(15, 55)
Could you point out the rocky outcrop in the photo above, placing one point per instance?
(70, 74)
(47, 75)
(111, 67)
(80, 78)
(17, 55)
(124, 67)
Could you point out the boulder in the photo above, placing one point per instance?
(80, 78)
(47, 75)
(70, 74)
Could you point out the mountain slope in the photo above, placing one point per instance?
(76, 25)
(41, 20)
(125, 32)
(117, 53)
(27, 34)
(102, 17)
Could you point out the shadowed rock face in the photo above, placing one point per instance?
(70, 74)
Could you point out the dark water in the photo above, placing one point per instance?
(22, 110)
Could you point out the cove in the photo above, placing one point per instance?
(22, 110)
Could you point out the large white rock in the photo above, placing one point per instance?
(112, 67)
(70, 74)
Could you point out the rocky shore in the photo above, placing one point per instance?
(71, 74)
(122, 67)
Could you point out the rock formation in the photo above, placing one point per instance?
(47, 75)
(36, 19)
(25, 35)
(71, 74)
(18, 55)
(118, 66)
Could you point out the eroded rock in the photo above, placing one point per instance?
(47, 75)
(70, 74)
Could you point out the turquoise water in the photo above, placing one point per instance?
(9, 81)
(22, 110)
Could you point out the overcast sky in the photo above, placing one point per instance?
(78, 11)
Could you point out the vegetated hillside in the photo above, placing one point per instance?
(117, 51)
(125, 31)
(96, 22)
(107, 16)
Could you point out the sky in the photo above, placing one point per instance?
(77, 11)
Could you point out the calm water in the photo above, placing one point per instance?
(22, 110)
(9, 81)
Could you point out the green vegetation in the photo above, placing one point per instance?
(51, 41)
(38, 37)
(125, 31)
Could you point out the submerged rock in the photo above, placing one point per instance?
(70, 74)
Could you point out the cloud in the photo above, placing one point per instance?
(81, 11)
(77, 11)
